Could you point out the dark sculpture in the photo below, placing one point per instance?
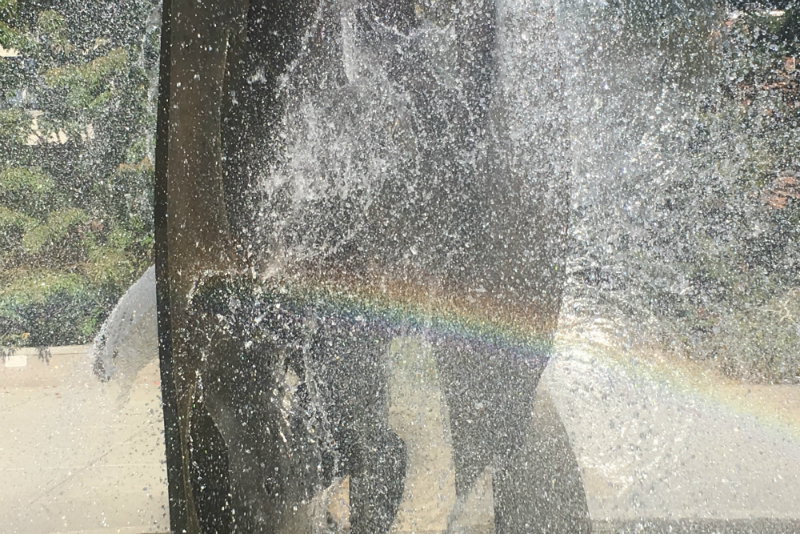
(278, 389)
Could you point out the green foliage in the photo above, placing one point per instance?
(15, 219)
(702, 248)
(12, 126)
(741, 254)
(76, 130)
(26, 189)
(58, 226)
(768, 31)
(8, 10)
(89, 86)
(51, 28)
(13, 225)
(11, 38)
(23, 181)
(42, 307)
(761, 343)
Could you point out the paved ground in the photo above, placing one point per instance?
(74, 457)
(666, 446)
(659, 446)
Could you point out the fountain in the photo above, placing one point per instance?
(362, 217)
(392, 190)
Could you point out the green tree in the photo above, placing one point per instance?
(745, 262)
(696, 238)
(76, 123)
(732, 224)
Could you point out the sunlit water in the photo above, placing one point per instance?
(367, 187)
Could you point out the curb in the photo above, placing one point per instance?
(42, 366)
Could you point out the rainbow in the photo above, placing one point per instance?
(776, 407)
(427, 307)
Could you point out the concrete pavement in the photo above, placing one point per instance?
(640, 442)
(665, 445)
(74, 456)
